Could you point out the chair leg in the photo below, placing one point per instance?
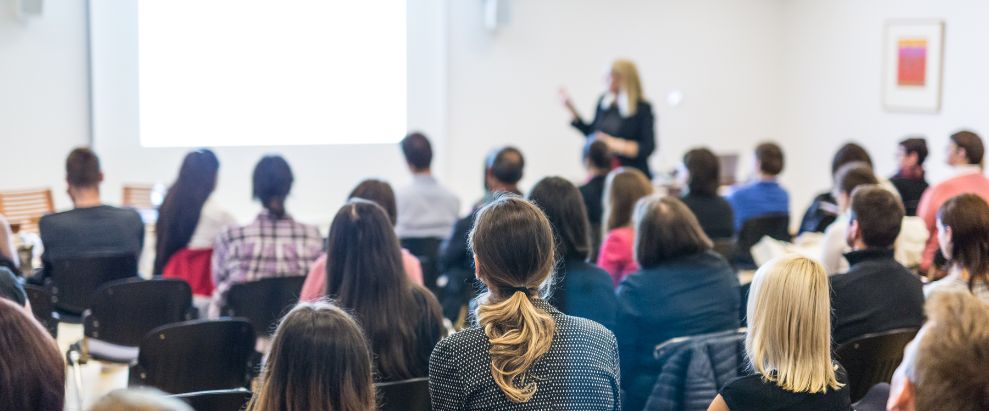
(73, 357)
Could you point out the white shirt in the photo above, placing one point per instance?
(426, 209)
(954, 282)
(213, 220)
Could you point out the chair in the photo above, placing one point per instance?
(408, 395)
(111, 330)
(74, 280)
(264, 302)
(427, 251)
(24, 208)
(694, 368)
(138, 196)
(43, 307)
(776, 226)
(872, 358)
(196, 355)
(217, 400)
(743, 304)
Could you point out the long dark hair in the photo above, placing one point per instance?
(364, 274)
(968, 217)
(319, 361)
(179, 213)
(704, 171)
(271, 184)
(563, 205)
(32, 373)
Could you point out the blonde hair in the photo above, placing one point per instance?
(622, 189)
(630, 84)
(513, 243)
(789, 336)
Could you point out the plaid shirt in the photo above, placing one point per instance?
(267, 247)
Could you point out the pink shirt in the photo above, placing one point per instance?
(937, 195)
(315, 285)
(616, 256)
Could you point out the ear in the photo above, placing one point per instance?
(101, 176)
(854, 232)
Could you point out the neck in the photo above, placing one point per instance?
(765, 177)
(422, 172)
(858, 245)
(85, 197)
(594, 171)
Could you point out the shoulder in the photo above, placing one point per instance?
(644, 107)
(745, 387)
(462, 344)
(584, 328)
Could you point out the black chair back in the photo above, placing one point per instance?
(43, 307)
(776, 226)
(408, 395)
(74, 280)
(217, 400)
(264, 302)
(872, 358)
(427, 251)
(124, 311)
(196, 355)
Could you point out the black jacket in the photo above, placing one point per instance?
(714, 213)
(910, 191)
(639, 127)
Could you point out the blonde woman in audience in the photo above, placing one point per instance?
(32, 371)
(623, 188)
(963, 235)
(522, 354)
(788, 343)
(319, 361)
(139, 399)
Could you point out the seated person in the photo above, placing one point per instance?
(877, 293)
(700, 173)
(425, 209)
(963, 235)
(623, 188)
(909, 179)
(597, 162)
(90, 228)
(824, 209)
(764, 196)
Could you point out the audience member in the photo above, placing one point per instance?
(581, 289)
(189, 223)
(11, 288)
(364, 275)
(90, 228)
(273, 245)
(684, 288)
(523, 353)
(788, 344)
(622, 189)
(139, 399)
(834, 244)
(824, 209)
(8, 251)
(426, 209)
(764, 196)
(701, 172)
(319, 360)
(964, 154)
(909, 179)
(380, 193)
(597, 162)
(503, 170)
(877, 293)
(963, 236)
(32, 372)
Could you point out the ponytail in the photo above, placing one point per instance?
(520, 334)
(276, 206)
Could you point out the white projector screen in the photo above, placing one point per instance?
(259, 73)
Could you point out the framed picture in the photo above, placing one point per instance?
(913, 54)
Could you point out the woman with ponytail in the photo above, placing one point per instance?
(273, 245)
(522, 353)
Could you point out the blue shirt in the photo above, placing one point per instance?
(758, 199)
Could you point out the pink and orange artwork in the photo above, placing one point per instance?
(911, 62)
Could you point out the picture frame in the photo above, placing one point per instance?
(913, 54)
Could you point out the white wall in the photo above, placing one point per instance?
(43, 95)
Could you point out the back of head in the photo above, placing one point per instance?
(850, 153)
(563, 205)
(967, 216)
(665, 230)
(596, 154)
(417, 150)
(879, 215)
(32, 373)
(506, 165)
(852, 175)
(622, 189)
(630, 82)
(915, 145)
(139, 399)
(789, 314)
(272, 182)
(704, 171)
(82, 168)
(972, 143)
(951, 373)
(180, 211)
(380, 193)
(319, 360)
(770, 158)
(513, 246)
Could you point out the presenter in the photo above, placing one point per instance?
(623, 119)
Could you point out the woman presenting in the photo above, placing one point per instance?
(623, 119)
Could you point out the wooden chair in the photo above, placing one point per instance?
(138, 196)
(24, 208)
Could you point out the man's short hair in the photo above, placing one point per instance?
(849, 153)
(972, 143)
(417, 150)
(879, 214)
(915, 145)
(852, 175)
(82, 168)
(506, 165)
(770, 157)
(596, 153)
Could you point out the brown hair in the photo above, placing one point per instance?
(852, 175)
(850, 153)
(319, 361)
(32, 373)
(704, 171)
(417, 150)
(770, 157)
(951, 372)
(666, 229)
(82, 168)
(513, 245)
(380, 193)
(879, 214)
(971, 143)
(968, 217)
(622, 189)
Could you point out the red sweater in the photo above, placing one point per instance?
(938, 194)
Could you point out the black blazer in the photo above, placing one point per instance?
(713, 212)
(639, 128)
